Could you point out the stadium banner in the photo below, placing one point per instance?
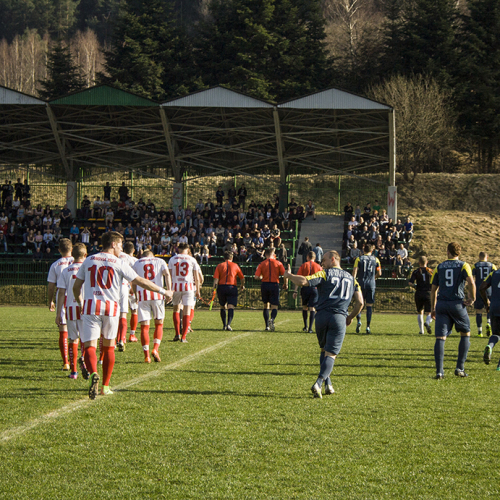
(71, 195)
(392, 203)
(178, 191)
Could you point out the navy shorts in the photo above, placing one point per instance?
(423, 301)
(270, 292)
(227, 294)
(368, 294)
(330, 330)
(309, 296)
(449, 314)
(479, 304)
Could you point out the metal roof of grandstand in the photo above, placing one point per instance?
(9, 96)
(216, 131)
(102, 95)
(218, 97)
(333, 99)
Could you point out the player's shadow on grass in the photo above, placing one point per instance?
(195, 372)
(191, 392)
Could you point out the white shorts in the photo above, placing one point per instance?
(63, 312)
(124, 299)
(92, 326)
(132, 302)
(151, 309)
(185, 298)
(74, 327)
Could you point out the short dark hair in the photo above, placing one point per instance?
(228, 255)
(109, 238)
(269, 252)
(128, 248)
(454, 249)
(65, 245)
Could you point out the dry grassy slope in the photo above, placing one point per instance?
(475, 232)
(453, 207)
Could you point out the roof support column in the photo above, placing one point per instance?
(178, 188)
(59, 142)
(281, 161)
(392, 195)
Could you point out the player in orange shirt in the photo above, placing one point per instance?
(227, 292)
(269, 271)
(309, 294)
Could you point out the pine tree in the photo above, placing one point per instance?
(151, 54)
(477, 79)
(233, 46)
(428, 39)
(299, 63)
(63, 75)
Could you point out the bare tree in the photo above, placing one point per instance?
(424, 122)
(88, 55)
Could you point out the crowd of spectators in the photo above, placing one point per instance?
(372, 225)
(231, 223)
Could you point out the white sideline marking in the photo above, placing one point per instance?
(76, 405)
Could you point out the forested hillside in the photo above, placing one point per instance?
(437, 62)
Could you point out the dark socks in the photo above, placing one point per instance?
(368, 315)
(312, 315)
(479, 320)
(326, 369)
(463, 349)
(321, 358)
(493, 340)
(304, 317)
(439, 355)
(230, 314)
(223, 316)
(266, 316)
(274, 313)
(358, 317)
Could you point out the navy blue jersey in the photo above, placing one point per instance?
(367, 266)
(481, 270)
(335, 289)
(493, 280)
(450, 276)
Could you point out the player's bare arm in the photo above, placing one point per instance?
(482, 291)
(354, 272)
(358, 306)
(61, 292)
(197, 284)
(434, 291)
(296, 279)
(242, 284)
(168, 279)
(471, 291)
(51, 293)
(77, 291)
(377, 274)
(149, 285)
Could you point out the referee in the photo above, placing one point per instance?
(421, 280)
(269, 271)
(227, 292)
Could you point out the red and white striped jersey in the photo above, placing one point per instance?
(130, 260)
(103, 275)
(57, 268)
(152, 269)
(181, 267)
(66, 281)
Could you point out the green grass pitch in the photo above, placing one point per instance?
(230, 415)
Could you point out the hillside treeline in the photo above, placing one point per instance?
(436, 61)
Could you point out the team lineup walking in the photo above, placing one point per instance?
(93, 295)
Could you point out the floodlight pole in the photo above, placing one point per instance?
(392, 194)
(281, 162)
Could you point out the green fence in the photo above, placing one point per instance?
(329, 193)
